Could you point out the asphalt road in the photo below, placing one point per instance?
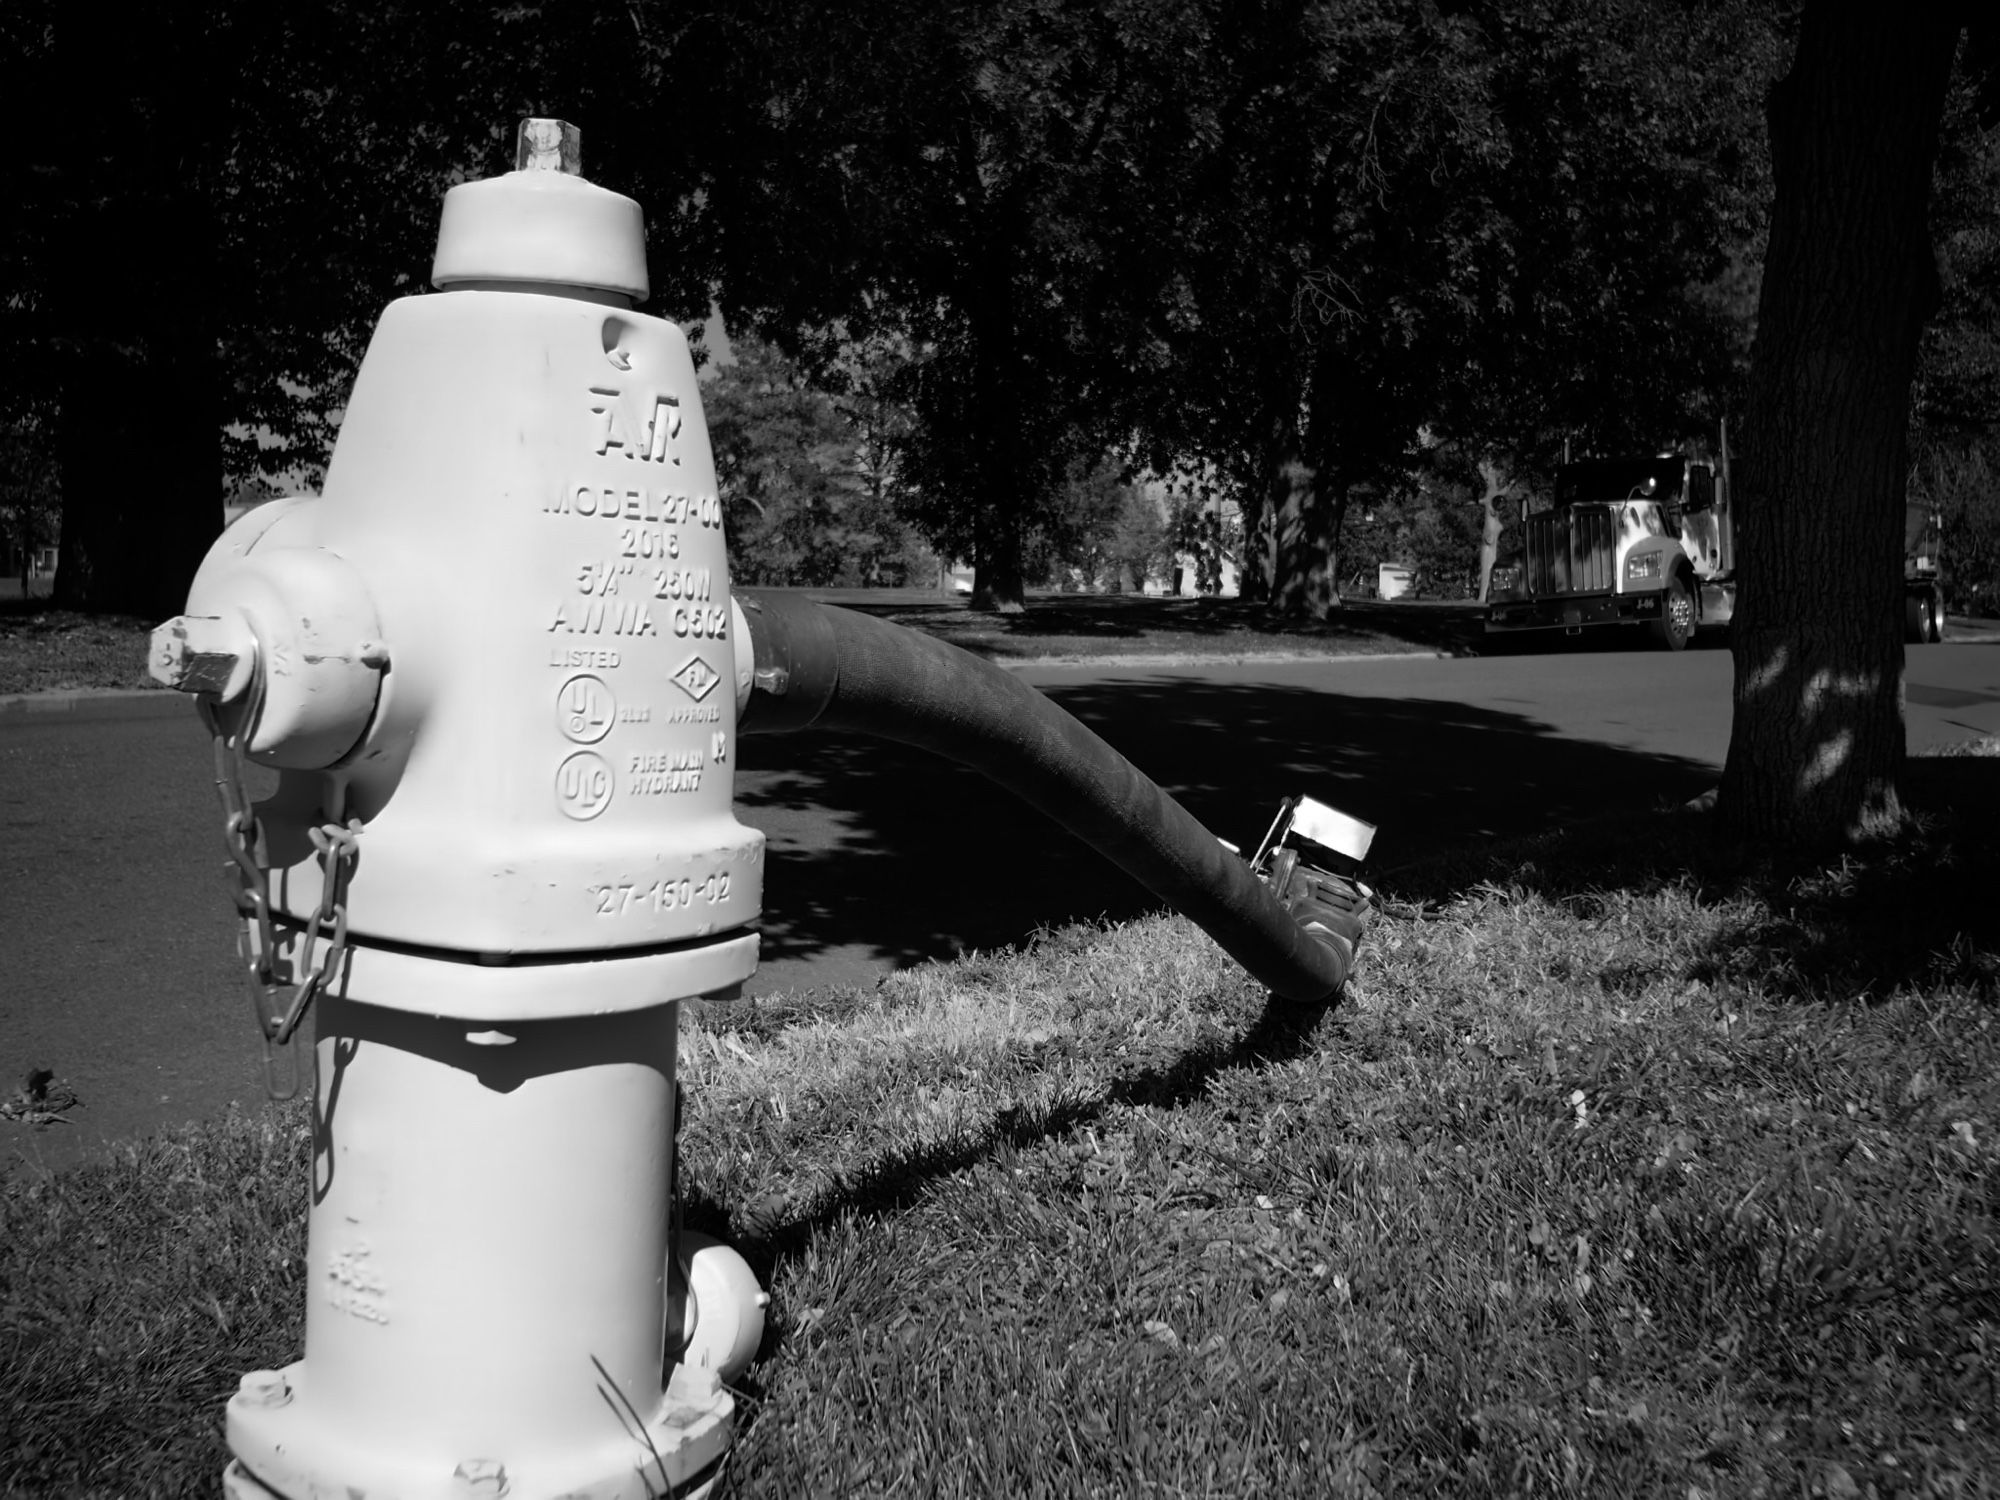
(116, 939)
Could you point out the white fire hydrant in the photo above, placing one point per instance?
(494, 665)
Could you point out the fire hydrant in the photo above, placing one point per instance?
(493, 666)
(499, 671)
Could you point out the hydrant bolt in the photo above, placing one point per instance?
(263, 1388)
(480, 1479)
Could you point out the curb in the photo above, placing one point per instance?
(68, 700)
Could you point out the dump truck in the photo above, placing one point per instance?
(1650, 542)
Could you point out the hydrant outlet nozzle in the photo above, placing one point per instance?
(210, 654)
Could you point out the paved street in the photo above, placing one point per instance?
(116, 944)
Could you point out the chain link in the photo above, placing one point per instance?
(279, 1001)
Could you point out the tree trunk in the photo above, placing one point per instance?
(1000, 479)
(1304, 517)
(1253, 573)
(138, 428)
(1496, 486)
(997, 585)
(1816, 747)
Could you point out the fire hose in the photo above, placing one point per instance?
(1293, 927)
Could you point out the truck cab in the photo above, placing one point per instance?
(1633, 541)
(1923, 591)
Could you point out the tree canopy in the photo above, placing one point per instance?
(809, 497)
(1271, 238)
(202, 248)
(992, 263)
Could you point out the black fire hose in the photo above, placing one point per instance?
(816, 665)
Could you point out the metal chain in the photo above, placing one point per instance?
(279, 1002)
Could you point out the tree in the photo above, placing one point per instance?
(951, 176)
(1956, 396)
(1495, 486)
(1108, 533)
(29, 504)
(122, 269)
(1817, 739)
(1965, 488)
(1301, 247)
(205, 247)
(1955, 425)
(806, 502)
(1137, 546)
(1497, 220)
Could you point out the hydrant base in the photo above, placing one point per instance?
(238, 1483)
(297, 1456)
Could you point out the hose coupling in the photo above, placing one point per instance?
(1332, 904)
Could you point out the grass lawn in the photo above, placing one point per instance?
(1627, 1167)
(47, 650)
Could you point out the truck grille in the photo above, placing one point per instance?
(1572, 551)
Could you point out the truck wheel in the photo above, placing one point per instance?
(1675, 626)
(1916, 619)
(1937, 618)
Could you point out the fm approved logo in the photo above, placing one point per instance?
(696, 678)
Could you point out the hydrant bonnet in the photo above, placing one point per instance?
(542, 226)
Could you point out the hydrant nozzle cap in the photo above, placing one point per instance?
(542, 225)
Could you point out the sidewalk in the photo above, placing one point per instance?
(1963, 630)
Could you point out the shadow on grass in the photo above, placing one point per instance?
(895, 1183)
(937, 861)
(1913, 911)
(932, 860)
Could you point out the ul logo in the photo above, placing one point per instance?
(585, 709)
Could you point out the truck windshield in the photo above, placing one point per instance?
(1622, 479)
(1922, 529)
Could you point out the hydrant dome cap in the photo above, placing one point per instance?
(545, 227)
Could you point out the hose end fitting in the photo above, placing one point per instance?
(794, 662)
(1333, 909)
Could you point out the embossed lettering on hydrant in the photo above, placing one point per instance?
(651, 438)
(354, 1285)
